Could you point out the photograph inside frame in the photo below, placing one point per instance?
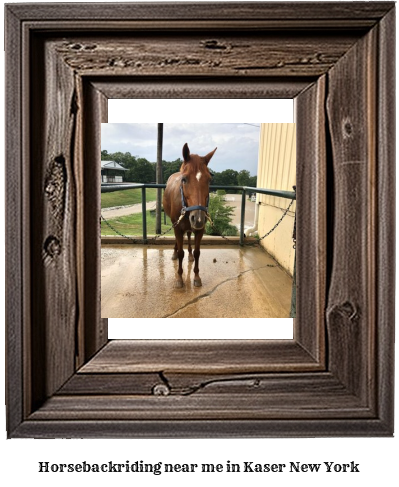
(198, 220)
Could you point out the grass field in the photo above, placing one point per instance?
(133, 225)
(126, 197)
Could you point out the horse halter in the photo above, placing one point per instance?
(185, 208)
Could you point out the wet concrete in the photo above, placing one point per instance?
(237, 282)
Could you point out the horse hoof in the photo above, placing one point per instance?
(174, 257)
(190, 258)
(197, 283)
(178, 284)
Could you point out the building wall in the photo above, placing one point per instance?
(106, 178)
(277, 170)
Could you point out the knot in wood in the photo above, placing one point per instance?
(348, 310)
(52, 246)
(161, 390)
(347, 128)
(50, 188)
(213, 44)
(90, 47)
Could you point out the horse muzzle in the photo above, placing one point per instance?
(197, 220)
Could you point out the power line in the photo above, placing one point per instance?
(253, 125)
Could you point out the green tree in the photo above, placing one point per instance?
(118, 157)
(140, 171)
(169, 168)
(228, 177)
(253, 181)
(221, 216)
(243, 178)
(145, 171)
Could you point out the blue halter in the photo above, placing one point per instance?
(185, 208)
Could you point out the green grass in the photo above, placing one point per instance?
(126, 197)
(133, 224)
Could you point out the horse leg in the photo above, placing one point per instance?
(180, 255)
(174, 256)
(190, 251)
(198, 238)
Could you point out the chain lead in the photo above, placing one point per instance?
(278, 223)
(135, 240)
(117, 231)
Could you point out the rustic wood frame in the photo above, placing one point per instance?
(64, 379)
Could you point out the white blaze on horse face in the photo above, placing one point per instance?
(198, 175)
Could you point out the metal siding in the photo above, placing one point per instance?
(277, 170)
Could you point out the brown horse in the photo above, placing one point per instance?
(185, 201)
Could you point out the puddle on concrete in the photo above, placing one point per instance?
(237, 282)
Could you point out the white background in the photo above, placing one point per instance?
(19, 458)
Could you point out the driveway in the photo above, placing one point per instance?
(126, 210)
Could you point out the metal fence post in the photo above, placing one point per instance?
(242, 217)
(144, 210)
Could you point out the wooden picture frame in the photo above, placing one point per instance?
(64, 378)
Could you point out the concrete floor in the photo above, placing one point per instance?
(237, 282)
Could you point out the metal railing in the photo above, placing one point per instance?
(109, 188)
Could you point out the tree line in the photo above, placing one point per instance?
(140, 170)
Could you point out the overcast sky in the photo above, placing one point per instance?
(237, 143)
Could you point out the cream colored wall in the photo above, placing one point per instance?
(277, 170)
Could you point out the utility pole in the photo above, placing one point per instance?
(159, 179)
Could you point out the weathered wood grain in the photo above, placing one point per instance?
(200, 356)
(215, 407)
(184, 384)
(359, 14)
(269, 396)
(385, 225)
(192, 428)
(351, 111)
(171, 55)
(136, 384)
(172, 88)
(95, 329)
(53, 248)
(311, 255)
(15, 207)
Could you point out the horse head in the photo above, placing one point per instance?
(195, 180)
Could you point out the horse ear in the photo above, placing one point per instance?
(186, 153)
(208, 157)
